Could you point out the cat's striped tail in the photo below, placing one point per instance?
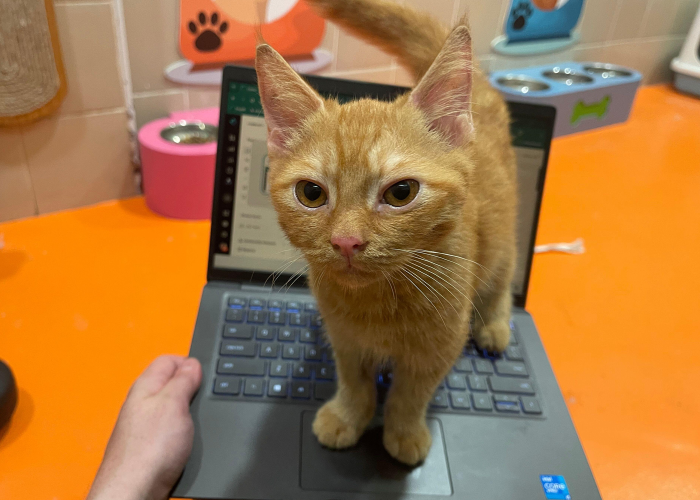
(415, 38)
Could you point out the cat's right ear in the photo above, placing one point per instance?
(286, 98)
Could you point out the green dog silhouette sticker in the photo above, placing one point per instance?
(583, 110)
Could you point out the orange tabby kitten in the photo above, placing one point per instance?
(405, 212)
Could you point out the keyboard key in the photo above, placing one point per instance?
(287, 335)
(463, 365)
(291, 352)
(257, 303)
(239, 331)
(325, 371)
(275, 304)
(266, 333)
(459, 401)
(511, 385)
(439, 400)
(253, 387)
(457, 382)
(308, 336)
(312, 353)
(269, 350)
(531, 406)
(257, 316)
(514, 353)
(241, 367)
(310, 307)
(298, 319)
(234, 315)
(316, 320)
(504, 398)
(277, 318)
(328, 353)
(237, 348)
(301, 390)
(511, 368)
(477, 383)
(324, 391)
(483, 366)
(471, 350)
(236, 301)
(293, 306)
(508, 407)
(507, 404)
(279, 369)
(227, 385)
(301, 370)
(277, 389)
(482, 402)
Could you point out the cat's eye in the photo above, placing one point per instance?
(402, 193)
(310, 195)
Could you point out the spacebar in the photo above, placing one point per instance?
(511, 385)
(241, 367)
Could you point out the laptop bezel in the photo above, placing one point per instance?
(327, 85)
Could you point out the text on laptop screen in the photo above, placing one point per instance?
(249, 237)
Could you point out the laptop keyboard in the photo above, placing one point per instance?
(275, 350)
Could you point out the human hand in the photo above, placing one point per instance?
(153, 436)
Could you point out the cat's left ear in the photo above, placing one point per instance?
(445, 91)
(286, 98)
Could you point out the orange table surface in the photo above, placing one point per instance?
(89, 297)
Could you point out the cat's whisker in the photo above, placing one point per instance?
(421, 250)
(432, 264)
(434, 254)
(317, 281)
(391, 285)
(432, 288)
(424, 295)
(470, 301)
(442, 278)
(295, 277)
(277, 272)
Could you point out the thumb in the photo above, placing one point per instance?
(185, 382)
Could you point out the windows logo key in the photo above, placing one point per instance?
(555, 487)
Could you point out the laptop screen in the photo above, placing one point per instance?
(247, 243)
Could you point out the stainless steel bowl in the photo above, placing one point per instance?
(523, 84)
(607, 70)
(567, 76)
(184, 132)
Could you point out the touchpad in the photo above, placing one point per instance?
(368, 468)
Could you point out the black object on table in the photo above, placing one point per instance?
(8, 394)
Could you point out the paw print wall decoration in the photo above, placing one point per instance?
(208, 31)
(221, 31)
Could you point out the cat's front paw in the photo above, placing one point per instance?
(333, 428)
(409, 447)
(493, 337)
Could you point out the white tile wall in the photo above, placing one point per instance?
(81, 155)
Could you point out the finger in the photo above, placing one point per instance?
(157, 374)
(185, 382)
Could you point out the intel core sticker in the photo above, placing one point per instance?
(555, 487)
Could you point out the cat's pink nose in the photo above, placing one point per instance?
(348, 246)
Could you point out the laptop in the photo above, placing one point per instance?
(500, 427)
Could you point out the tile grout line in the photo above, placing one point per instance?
(455, 12)
(350, 72)
(157, 93)
(82, 4)
(336, 42)
(616, 15)
(645, 19)
(26, 162)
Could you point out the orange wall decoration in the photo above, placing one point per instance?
(221, 31)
